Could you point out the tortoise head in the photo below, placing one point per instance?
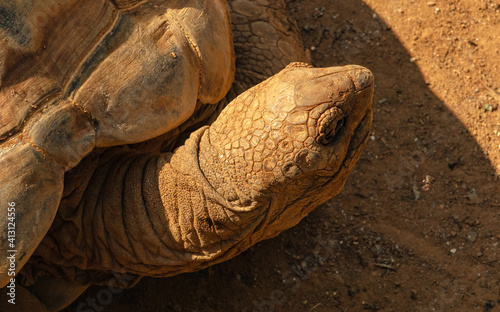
(289, 143)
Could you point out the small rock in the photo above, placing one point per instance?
(308, 28)
(428, 183)
(473, 197)
(489, 305)
(453, 233)
(431, 3)
(453, 250)
(318, 12)
(416, 192)
(382, 101)
(472, 237)
(488, 108)
(479, 254)
(413, 60)
(413, 294)
(369, 306)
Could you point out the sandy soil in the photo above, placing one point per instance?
(416, 227)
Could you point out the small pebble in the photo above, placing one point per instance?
(472, 237)
(308, 28)
(453, 250)
(413, 294)
(431, 3)
(413, 60)
(488, 108)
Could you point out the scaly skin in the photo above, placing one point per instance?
(275, 153)
(266, 40)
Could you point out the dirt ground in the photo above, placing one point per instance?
(416, 227)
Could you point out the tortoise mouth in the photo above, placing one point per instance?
(362, 132)
(359, 138)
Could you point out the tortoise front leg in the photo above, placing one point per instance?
(32, 179)
(30, 198)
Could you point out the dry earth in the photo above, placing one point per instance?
(416, 227)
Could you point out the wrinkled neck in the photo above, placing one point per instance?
(225, 175)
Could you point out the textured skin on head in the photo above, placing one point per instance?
(270, 140)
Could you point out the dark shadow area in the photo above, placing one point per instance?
(415, 228)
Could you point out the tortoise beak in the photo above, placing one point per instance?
(361, 113)
(361, 77)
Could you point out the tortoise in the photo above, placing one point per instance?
(142, 138)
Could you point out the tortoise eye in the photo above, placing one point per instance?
(332, 130)
(330, 125)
